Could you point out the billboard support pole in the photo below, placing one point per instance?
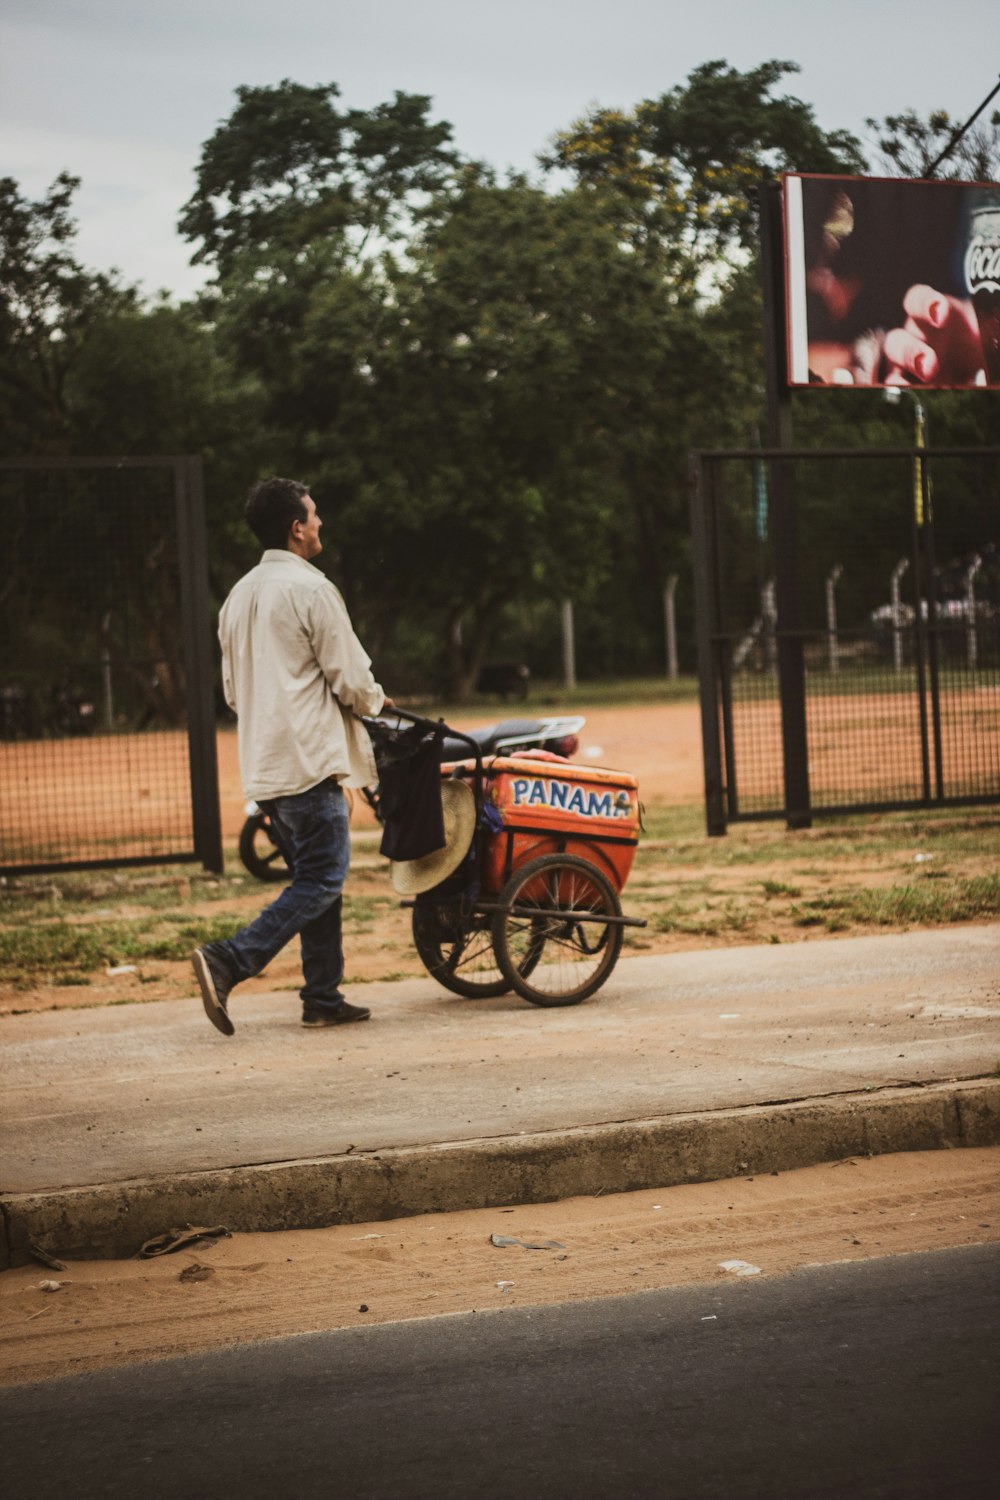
(772, 271)
(706, 606)
(791, 655)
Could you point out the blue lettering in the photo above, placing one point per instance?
(537, 792)
(599, 806)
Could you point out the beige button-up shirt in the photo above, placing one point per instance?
(296, 676)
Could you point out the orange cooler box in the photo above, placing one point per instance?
(554, 806)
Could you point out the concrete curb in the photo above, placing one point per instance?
(112, 1221)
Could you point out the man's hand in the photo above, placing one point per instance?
(938, 342)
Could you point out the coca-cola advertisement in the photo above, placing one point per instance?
(892, 282)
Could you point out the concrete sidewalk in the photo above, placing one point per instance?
(118, 1123)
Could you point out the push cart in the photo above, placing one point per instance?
(533, 906)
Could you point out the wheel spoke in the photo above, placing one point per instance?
(553, 912)
(456, 950)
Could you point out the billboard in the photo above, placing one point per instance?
(892, 281)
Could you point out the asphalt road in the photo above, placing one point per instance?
(877, 1378)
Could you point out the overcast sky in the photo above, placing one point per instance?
(124, 92)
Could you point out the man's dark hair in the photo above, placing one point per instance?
(272, 506)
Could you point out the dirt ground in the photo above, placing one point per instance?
(660, 744)
(258, 1286)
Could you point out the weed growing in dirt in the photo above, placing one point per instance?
(975, 899)
(362, 912)
(779, 888)
(65, 953)
(895, 871)
(677, 835)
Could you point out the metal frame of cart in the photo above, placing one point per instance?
(548, 926)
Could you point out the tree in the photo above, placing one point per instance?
(908, 145)
(49, 304)
(683, 171)
(289, 168)
(85, 370)
(689, 162)
(527, 381)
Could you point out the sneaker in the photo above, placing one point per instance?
(344, 1013)
(215, 985)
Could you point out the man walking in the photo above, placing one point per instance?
(298, 680)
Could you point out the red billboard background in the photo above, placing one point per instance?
(892, 282)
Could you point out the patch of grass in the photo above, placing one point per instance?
(68, 953)
(959, 900)
(652, 890)
(702, 912)
(759, 883)
(677, 836)
(83, 892)
(192, 934)
(26, 950)
(970, 900)
(702, 920)
(806, 918)
(362, 912)
(553, 696)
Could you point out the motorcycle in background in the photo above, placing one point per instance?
(259, 845)
(70, 712)
(29, 715)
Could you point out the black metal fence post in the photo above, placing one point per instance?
(107, 675)
(791, 656)
(196, 621)
(791, 660)
(933, 626)
(880, 741)
(706, 610)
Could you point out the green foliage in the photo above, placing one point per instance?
(49, 306)
(908, 146)
(289, 167)
(689, 162)
(922, 903)
(529, 350)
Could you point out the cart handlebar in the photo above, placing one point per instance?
(419, 720)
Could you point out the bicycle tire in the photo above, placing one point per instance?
(445, 943)
(569, 960)
(260, 853)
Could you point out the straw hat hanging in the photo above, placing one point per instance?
(411, 877)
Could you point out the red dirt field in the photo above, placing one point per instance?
(112, 796)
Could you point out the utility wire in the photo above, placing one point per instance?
(928, 171)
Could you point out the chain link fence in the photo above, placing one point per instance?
(107, 736)
(848, 629)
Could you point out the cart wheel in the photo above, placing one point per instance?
(259, 851)
(550, 940)
(456, 949)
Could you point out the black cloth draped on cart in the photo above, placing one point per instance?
(409, 774)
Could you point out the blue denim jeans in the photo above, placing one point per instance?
(312, 828)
